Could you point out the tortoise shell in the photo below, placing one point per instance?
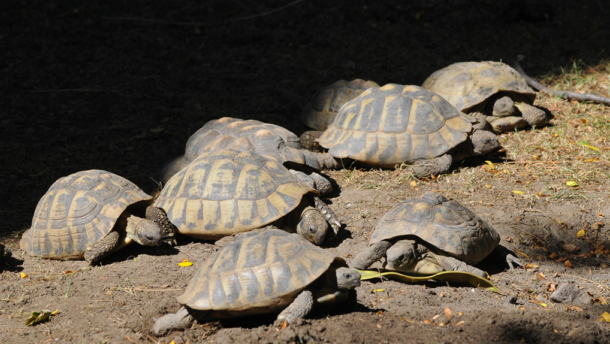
(259, 272)
(394, 124)
(320, 112)
(466, 85)
(227, 192)
(447, 226)
(242, 135)
(78, 209)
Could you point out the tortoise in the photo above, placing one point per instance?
(428, 234)
(492, 88)
(269, 140)
(387, 126)
(262, 272)
(320, 112)
(76, 218)
(227, 192)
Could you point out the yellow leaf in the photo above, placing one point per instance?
(589, 146)
(488, 186)
(505, 171)
(55, 312)
(490, 164)
(606, 316)
(535, 157)
(543, 304)
(517, 192)
(377, 290)
(185, 263)
(172, 342)
(413, 183)
(23, 275)
(581, 233)
(571, 183)
(523, 254)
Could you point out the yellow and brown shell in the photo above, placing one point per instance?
(241, 135)
(320, 112)
(79, 209)
(395, 124)
(227, 192)
(261, 272)
(446, 225)
(467, 85)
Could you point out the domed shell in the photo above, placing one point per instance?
(466, 85)
(446, 225)
(241, 135)
(394, 124)
(78, 209)
(320, 112)
(259, 272)
(227, 192)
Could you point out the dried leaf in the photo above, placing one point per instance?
(570, 248)
(567, 264)
(185, 259)
(550, 287)
(581, 233)
(187, 263)
(490, 164)
(562, 259)
(436, 317)
(377, 290)
(571, 183)
(524, 255)
(427, 321)
(379, 313)
(606, 316)
(589, 146)
(488, 186)
(459, 323)
(284, 325)
(553, 255)
(413, 183)
(517, 192)
(55, 311)
(574, 308)
(448, 313)
(23, 275)
(530, 266)
(38, 317)
(453, 277)
(540, 276)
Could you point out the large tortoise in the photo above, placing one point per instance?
(227, 192)
(76, 218)
(491, 89)
(262, 272)
(320, 112)
(396, 124)
(429, 234)
(268, 140)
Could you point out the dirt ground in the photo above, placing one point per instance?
(120, 87)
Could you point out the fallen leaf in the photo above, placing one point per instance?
(185, 259)
(553, 255)
(407, 320)
(540, 276)
(379, 312)
(448, 313)
(55, 311)
(427, 321)
(377, 290)
(562, 259)
(442, 294)
(550, 287)
(284, 325)
(453, 277)
(488, 186)
(589, 146)
(570, 248)
(459, 323)
(134, 341)
(524, 255)
(517, 192)
(38, 317)
(571, 183)
(436, 317)
(413, 183)
(459, 313)
(530, 266)
(568, 264)
(574, 308)
(581, 233)
(23, 275)
(490, 164)
(187, 263)
(538, 302)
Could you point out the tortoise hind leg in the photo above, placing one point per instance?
(182, 319)
(329, 215)
(371, 255)
(435, 166)
(299, 308)
(102, 248)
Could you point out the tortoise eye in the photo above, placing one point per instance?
(311, 229)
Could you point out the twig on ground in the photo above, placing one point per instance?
(563, 94)
(156, 21)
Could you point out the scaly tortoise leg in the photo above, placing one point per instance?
(299, 308)
(329, 215)
(371, 255)
(102, 248)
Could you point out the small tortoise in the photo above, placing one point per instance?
(320, 112)
(429, 234)
(227, 192)
(76, 218)
(491, 89)
(262, 272)
(268, 140)
(387, 126)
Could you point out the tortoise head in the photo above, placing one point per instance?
(401, 255)
(347, 278)
(484, 142)
(313, 226)
(144, 232)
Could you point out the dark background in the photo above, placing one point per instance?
(120, 86)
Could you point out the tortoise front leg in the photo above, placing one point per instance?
(435, 166)
(329, 215)
(452, 264)
(102, 248)
(299, 308)
(371, 255)
(182, 319)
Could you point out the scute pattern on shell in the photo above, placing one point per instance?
(228, 192)
(468, 84)
(258, 273)
(242, 135)
(394, 124)
(446, 225)
(78, 209)
(320, 112)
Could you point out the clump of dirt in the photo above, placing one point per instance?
(122, 87)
